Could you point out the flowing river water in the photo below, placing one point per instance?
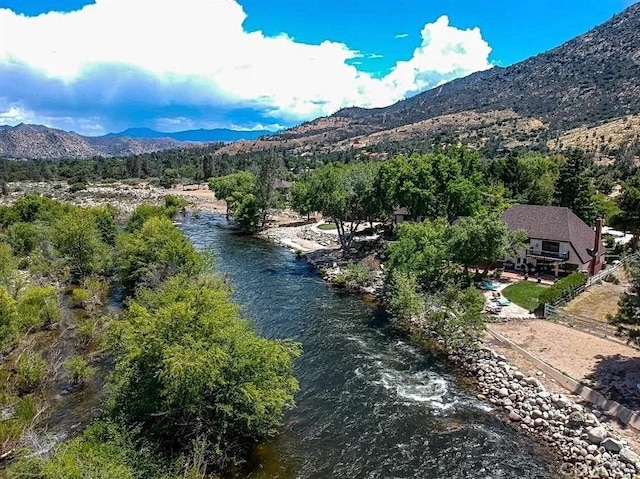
(370, 405)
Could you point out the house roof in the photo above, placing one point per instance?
(282, 185)
(553, 223)
(401, 210)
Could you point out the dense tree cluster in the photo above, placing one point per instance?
(180, 350)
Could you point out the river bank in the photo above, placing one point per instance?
(587, 446)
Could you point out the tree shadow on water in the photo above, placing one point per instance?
(617, 378)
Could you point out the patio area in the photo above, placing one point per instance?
(498, 305)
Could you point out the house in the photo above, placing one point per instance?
(557, 239)
(400, 214)
(283, 186)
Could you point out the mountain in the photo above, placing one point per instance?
(41, 142)
(585, 87)
(37, 141)
(201, 135)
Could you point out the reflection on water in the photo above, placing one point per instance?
(370, 405)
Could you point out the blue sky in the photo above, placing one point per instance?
(180, 64)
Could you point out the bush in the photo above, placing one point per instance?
(612, 278)
(19, 415)
(78, 186)
(184, 354)
(30, 372)
(359, 274)
(9, 320)
(79, 296)
(78, 369)
(38, 307)
(102, 451)
(563, 289)
(157, 251)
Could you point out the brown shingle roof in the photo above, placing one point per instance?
(554, 223)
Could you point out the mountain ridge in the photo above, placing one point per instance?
(197, 135)
(586, 82)
(30, 141)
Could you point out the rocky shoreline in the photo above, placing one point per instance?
(587, 446)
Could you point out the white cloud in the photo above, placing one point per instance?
(402, 35)
(202, 44)
(374, 56)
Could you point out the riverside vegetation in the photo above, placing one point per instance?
(190, 384)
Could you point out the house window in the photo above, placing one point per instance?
(551, 246)
(518, 260)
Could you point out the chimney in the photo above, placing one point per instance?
(596, 262)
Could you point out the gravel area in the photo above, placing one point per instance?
(609, 367)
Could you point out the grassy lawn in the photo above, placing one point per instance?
(326, 226)
(524, 293)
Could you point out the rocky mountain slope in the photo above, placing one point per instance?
(559, 96)
(41, 142)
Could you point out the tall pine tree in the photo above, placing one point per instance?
(574, 188)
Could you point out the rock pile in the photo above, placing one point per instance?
(323, 239)
(588, 447)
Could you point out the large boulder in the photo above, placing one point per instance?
(596, 435)
(628, 456)
(611, 445)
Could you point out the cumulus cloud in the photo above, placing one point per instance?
(191, 63)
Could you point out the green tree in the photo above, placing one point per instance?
(629, 203)
(265, 192)
(78, 239)
(482, 240)
(344, 194)
(301, 200)
(444, 184)
(233, 185)
(183, 353)
(153, 253)
(105, 219)
(629, 305)
(422, 249)
(574, 188)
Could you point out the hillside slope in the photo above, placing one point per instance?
(587, 81)
(41, 142)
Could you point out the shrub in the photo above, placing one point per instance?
(184, 354)
(563, 289)
(88, 330)
(359, 274)
(77, 186)
(79, 296)
(38, 307)
(78, 369)
(102, 451)
(31, 371)
(9, 320)
(612, 278)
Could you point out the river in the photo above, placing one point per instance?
(370, 405)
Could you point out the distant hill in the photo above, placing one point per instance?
(201, 135)
(553, 100)
(41, 142)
